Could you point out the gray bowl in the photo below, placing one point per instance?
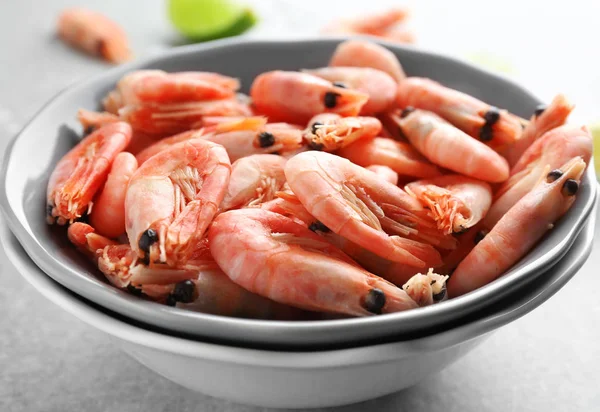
(303, 379)
(33, 153)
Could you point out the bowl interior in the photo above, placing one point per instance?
(53, 131)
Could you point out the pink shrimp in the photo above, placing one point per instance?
(449, 147)
(172, 198)
(94, 33)
(82, 172)
(295, 97)
(379, 86)
(374, 24)
(254, 180)
(271, 255)
(165, 143)
(527, 221)
(108, 213)
(386, 173)
(91, 121)
(87, 241)
(543, 120)
(401, 157)
(360, 53)
(553, 149)
(496, 128)
(356, 204)
(334, 134)
(426, 289)
(455, 202)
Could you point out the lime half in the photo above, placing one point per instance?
(201, 20)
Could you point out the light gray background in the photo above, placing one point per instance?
(548, 360)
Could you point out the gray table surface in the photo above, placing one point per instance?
(548, 360)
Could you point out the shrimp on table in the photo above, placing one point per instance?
(543, 120)
(172, 198)
(333, 134)
(401, 157)
(80, 174)
(108, 213)
(426, 289)
(358, 205)
(449, 147)
(361, 53)
(388, 174)
(527, 221)
(378, 85)
(271, 255)
(490, 125)
(254, 180)
(455, 202)
(295, 97)
(376, 24)
(552, 150)
(94, 33)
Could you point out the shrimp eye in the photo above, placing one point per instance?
(184, 291)
(439, 296)
(570, 187)
(492, 115)
(171, 300)
(553, 175)
(540, 109)
(133, 290)
(147, 239)
(266, 139)
(49, 209)
(89, 130)
(315, 146)
(318, 226)
(375, 300)
(479, 236)
(330, 99)
(313, 127)
(340, 84)
(485, 134)
(407, 110)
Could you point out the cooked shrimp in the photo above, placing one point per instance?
(387, 174)
(270, 255)
(356, 204)
(254, 180)
(519, 229)
(401, 157)
(543, 120)
(331, 135)
(376, 24)
(91, 121)
(379, 86)
(551, 150)
(87, 241)
(466, 242)
(360, 53)
(455, 202)
(165, 143)
(108, 214)
(295, 97)
(94, 33)
(82, 172)
(426, 289)
(449, 147)
(496, 128)
(172, 198)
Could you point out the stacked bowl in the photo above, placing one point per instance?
(275, 363)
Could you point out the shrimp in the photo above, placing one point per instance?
(360, 53)
(272, 256)
(334, 134)
(401, 157)
(172, 198)
(94, 33)
(91, 121)
(356, 204)
(553, 149)
(86, 240)
(387, 174)
(82, 172)
(426, 289)
(527, 221)
(449, 147)
(254, 180)
(455, 202)
(543, 120)
(295, 97)
(108, 215)
(379, 86)
(377, 24)
(496, 128)
(165, 143)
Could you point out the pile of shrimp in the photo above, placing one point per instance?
(346, 190)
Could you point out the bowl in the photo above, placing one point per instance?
(32, 155)
(302, 379)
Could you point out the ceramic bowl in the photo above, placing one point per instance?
(53, 131)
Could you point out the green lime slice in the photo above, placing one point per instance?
(201, 20)
(595, 129)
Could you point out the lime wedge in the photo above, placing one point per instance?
(201, 20)
(492, 62)
(595, 129)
